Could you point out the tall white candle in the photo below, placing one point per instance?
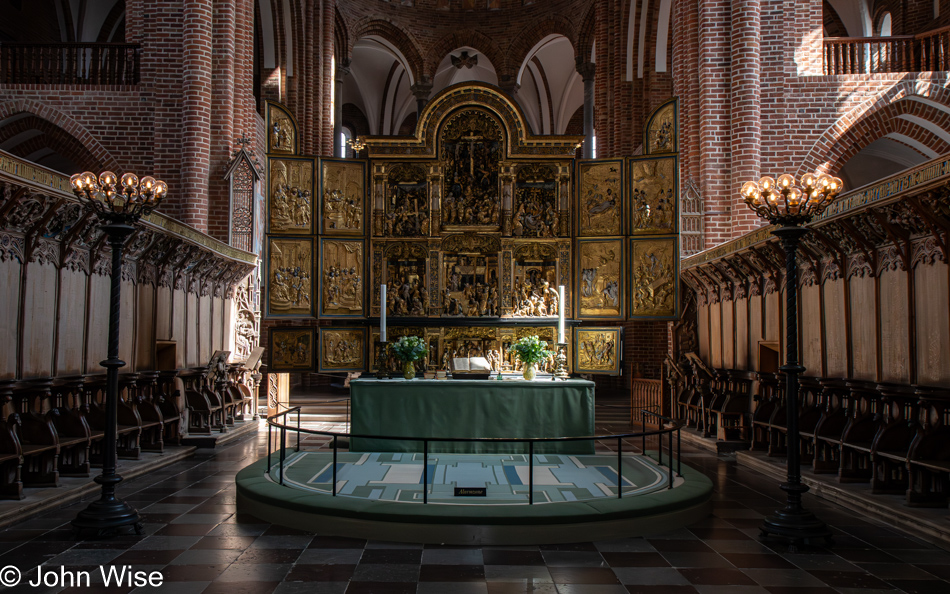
(560, 315)
(382, 313)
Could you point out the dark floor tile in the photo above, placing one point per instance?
(719, 534)
(679, 546)
(583, 575)
(185, 530)
(634, 559)
(662, 589)
(511, 557)
(183, 499)
(570, 546)
(97, 590)
(921, 586)
(754, 560)
(285, 531)
(849, 579)
(389, 556)
(941, 571)
(146, 557)
(380, 588)
(390, 572)
(716, 576)
(224, 542)
(794, 590)
(866, 556)
(269, 556)
(192, 573)
(336, 542)
(452, 573)
(522, 587)
(241, 588)
(320, 573)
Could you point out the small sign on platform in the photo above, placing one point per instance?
(471, 491)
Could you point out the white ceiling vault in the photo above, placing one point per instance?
(379, 83)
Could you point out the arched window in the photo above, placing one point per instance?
(883, 28)
(346, 137)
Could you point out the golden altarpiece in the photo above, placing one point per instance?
(473, 224)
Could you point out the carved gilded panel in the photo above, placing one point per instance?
(654, 265)
(406, 279)
(407, 202)
(290, 196)
(289, 269)
(342, 191)
(600, 284)
(291, 349)
(472, 146)
(342, 349)
(600, 198)
(535, 284)
(598, 350)
(654, 195)
(535, 201)
(281, 130)
(342, 286)
(660, 135)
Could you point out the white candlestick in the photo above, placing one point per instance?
(560, 314)
(382, 313)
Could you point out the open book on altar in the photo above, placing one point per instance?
(471, 364)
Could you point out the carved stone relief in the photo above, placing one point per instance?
(341, 277)
(290, 264)
(599, 199)
(654, 276)
(342, 194)
(600, 282)
(653, 195)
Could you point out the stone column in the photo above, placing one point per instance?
(587, 70)
(341, 70)
(746, 108)
(196, 114)
(421, 91)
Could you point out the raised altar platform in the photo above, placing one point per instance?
(472, 408)
(379, 496)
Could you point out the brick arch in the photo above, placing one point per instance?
(531, 35)
(873, 119)
(584, 45)
(394, 35)
(475, 40)
(66, 125)
(50, 136)
(341, 38)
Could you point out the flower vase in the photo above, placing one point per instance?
(409, 370)
(530, 371)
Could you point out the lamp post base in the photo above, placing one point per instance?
(798, 526)
(105, 517)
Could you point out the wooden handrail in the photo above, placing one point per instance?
(925, 52)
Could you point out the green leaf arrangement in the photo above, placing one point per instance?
(409, 348)
(530, 349)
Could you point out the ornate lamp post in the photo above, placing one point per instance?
(783, 204)
(118, 205)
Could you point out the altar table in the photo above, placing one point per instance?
(471, 408)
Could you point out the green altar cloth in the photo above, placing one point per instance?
(471, 408)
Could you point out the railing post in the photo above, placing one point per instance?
(334, 465)
(298, 429)
(619, 467)
(679, 453)
(268, 445)
(643, 433)
(283, 449)
(671, 457)
(530, 473)
(425, 471)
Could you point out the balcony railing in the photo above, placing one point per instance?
(69, 63)
(901, 53)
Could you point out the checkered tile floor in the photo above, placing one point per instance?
(199, 544)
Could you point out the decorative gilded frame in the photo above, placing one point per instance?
(322, 210)
(640, 291)
(661, 134)
(656, 179)
(588, 189)
(329, 333)
(305, 262)
(274, 112)
(614, 246)
(613, 339)
(361, 273)
(279, 364)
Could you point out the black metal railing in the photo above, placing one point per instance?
(670, 427)
(69, 63)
